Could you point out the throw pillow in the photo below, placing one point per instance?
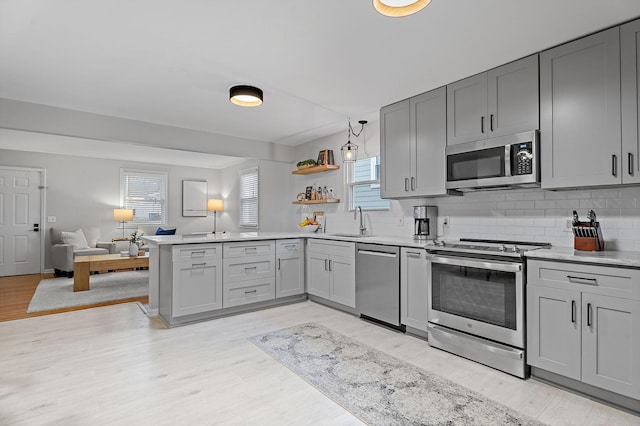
(76, 239)
(161, 231)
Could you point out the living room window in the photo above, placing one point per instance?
(363, 181)
(249, 198)
(146, 193)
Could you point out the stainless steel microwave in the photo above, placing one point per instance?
(505, 162)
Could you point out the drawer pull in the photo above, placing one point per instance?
(246, 249)
(250, 291)
(250, 268)
(581, 280)
(573, 311)
(198, 265)
(291, 245)
(589, 315)
(197, 253)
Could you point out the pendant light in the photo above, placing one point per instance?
(246, 96)
(398, 8)
(349, 150)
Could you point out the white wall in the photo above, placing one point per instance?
(84, 191)
(275, 195)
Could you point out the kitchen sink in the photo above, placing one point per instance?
(349, 235)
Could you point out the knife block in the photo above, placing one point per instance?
(595, 243)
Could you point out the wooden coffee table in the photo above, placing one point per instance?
(84, 265)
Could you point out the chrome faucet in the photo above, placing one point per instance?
(363, 230)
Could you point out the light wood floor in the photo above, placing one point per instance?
(114, 365)
(16, 293)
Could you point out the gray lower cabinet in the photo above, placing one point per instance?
(413, 288)
(331, 271)
(249, 272)
(580, 119)
(499, 102)
(413, 140)
(191, 280)
(289, 267)
(583, 322)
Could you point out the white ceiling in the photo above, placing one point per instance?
(318, 62)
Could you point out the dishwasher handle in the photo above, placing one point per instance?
(377, 253)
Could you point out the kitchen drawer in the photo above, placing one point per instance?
(251, 291)
(190, 252)
(284, 247)
(250, 248)
(239, 269)
(606, 280)
(337, 248)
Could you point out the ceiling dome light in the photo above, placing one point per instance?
(246, 96)
(398, 8)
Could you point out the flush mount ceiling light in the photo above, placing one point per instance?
(398, 8)
(246, 96)
(349, 150)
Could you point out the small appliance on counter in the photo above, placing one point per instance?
(587, 236)
(425, 222)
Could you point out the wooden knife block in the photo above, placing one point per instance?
(590, 243)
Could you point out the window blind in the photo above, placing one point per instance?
(146, 193)
(249, 198)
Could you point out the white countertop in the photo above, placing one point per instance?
(613, 258)
(158, 240)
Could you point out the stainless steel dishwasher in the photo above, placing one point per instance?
(378, 283)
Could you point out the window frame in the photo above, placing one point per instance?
(373, 183)
(164, 203)
(249, 171)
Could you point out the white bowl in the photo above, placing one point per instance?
(308, 229)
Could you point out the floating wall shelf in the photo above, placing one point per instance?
(315, 169)
(331, 201)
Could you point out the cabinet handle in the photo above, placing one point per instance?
(414, 254)
(614, 165)
(330, 265)
(589, 315)
(246, 249)
(250, 291)
(198, 253)
(250, 268)
(491, 122)
(581, 280)
(630, 157)
(278, 264)
(406, 184)
(573, 311)
(482, 124)
(325, 265)
(198, 265)
(413, 183)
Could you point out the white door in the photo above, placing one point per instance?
(20, 233)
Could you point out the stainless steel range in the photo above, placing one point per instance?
(476, 301)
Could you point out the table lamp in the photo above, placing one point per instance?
(215, 205)
(123, 215)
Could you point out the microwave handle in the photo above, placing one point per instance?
(507, 160)
(480, 264)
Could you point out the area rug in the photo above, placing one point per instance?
(378, 388)
(56, 293)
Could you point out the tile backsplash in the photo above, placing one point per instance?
(522, 215)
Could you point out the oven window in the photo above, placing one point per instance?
(478, 294)
(486, 163)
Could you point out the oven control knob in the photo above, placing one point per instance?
(502, 248)
(515, 249)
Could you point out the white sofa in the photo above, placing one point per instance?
(66, 245)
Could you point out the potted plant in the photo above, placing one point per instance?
(306, 163)
(134, 241)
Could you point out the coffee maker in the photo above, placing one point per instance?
(425, 222)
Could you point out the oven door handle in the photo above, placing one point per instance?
(493, 265)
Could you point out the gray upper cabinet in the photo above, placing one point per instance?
(580, 112)
(413, 140)
(630, 51)
(495, 103)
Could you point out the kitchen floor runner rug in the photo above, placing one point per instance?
(376, 387)
(57, 293)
